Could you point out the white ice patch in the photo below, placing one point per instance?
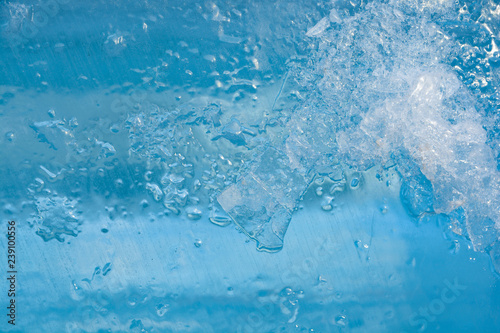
(452, 154)
(388, 80)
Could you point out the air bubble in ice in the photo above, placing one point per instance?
(341, 320)
(319, 191)
(175, 179)
(106, 269)
(326, 203)
(155, 191)
(161, 309)
(337, 187)
(114, 128)
(9, 136)
(454, 247)
(193, 213)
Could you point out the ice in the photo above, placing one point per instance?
(416, 191)
(377, 86)
(55, 218)
(452, 154)
(397, 99)
(259, 214)
(262, 201)
(318, 29)
(282, 175)
(275, 174)
(358, 141)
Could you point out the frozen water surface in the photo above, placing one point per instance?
(253, 166)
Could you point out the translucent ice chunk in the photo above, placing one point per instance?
(259, 214)
(416, 195)
(318, 29)
(261, 202)
(274, 173)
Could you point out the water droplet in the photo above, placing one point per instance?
(106, 269)
(104, 230)
(327, 208)
(326, 203)
(455, 247)
(161, 309)
(337, 187)
(319, 181)
(221, 221)
(354, 183)
(51, 113)
(77, 293)
(193, 213)
(319, 191)
(197, 243)
(101, 172)
(341, 320)
(337, 174)
(39, 183)
(9, 136)
(73, 122)
(171, 207)
(155, 190)
(286, 292)
(114, 128)
(148, 176)
(218, 216)
(175, 179)
(9, 209)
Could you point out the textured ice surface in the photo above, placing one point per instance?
(359, 141)
(383, 83)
